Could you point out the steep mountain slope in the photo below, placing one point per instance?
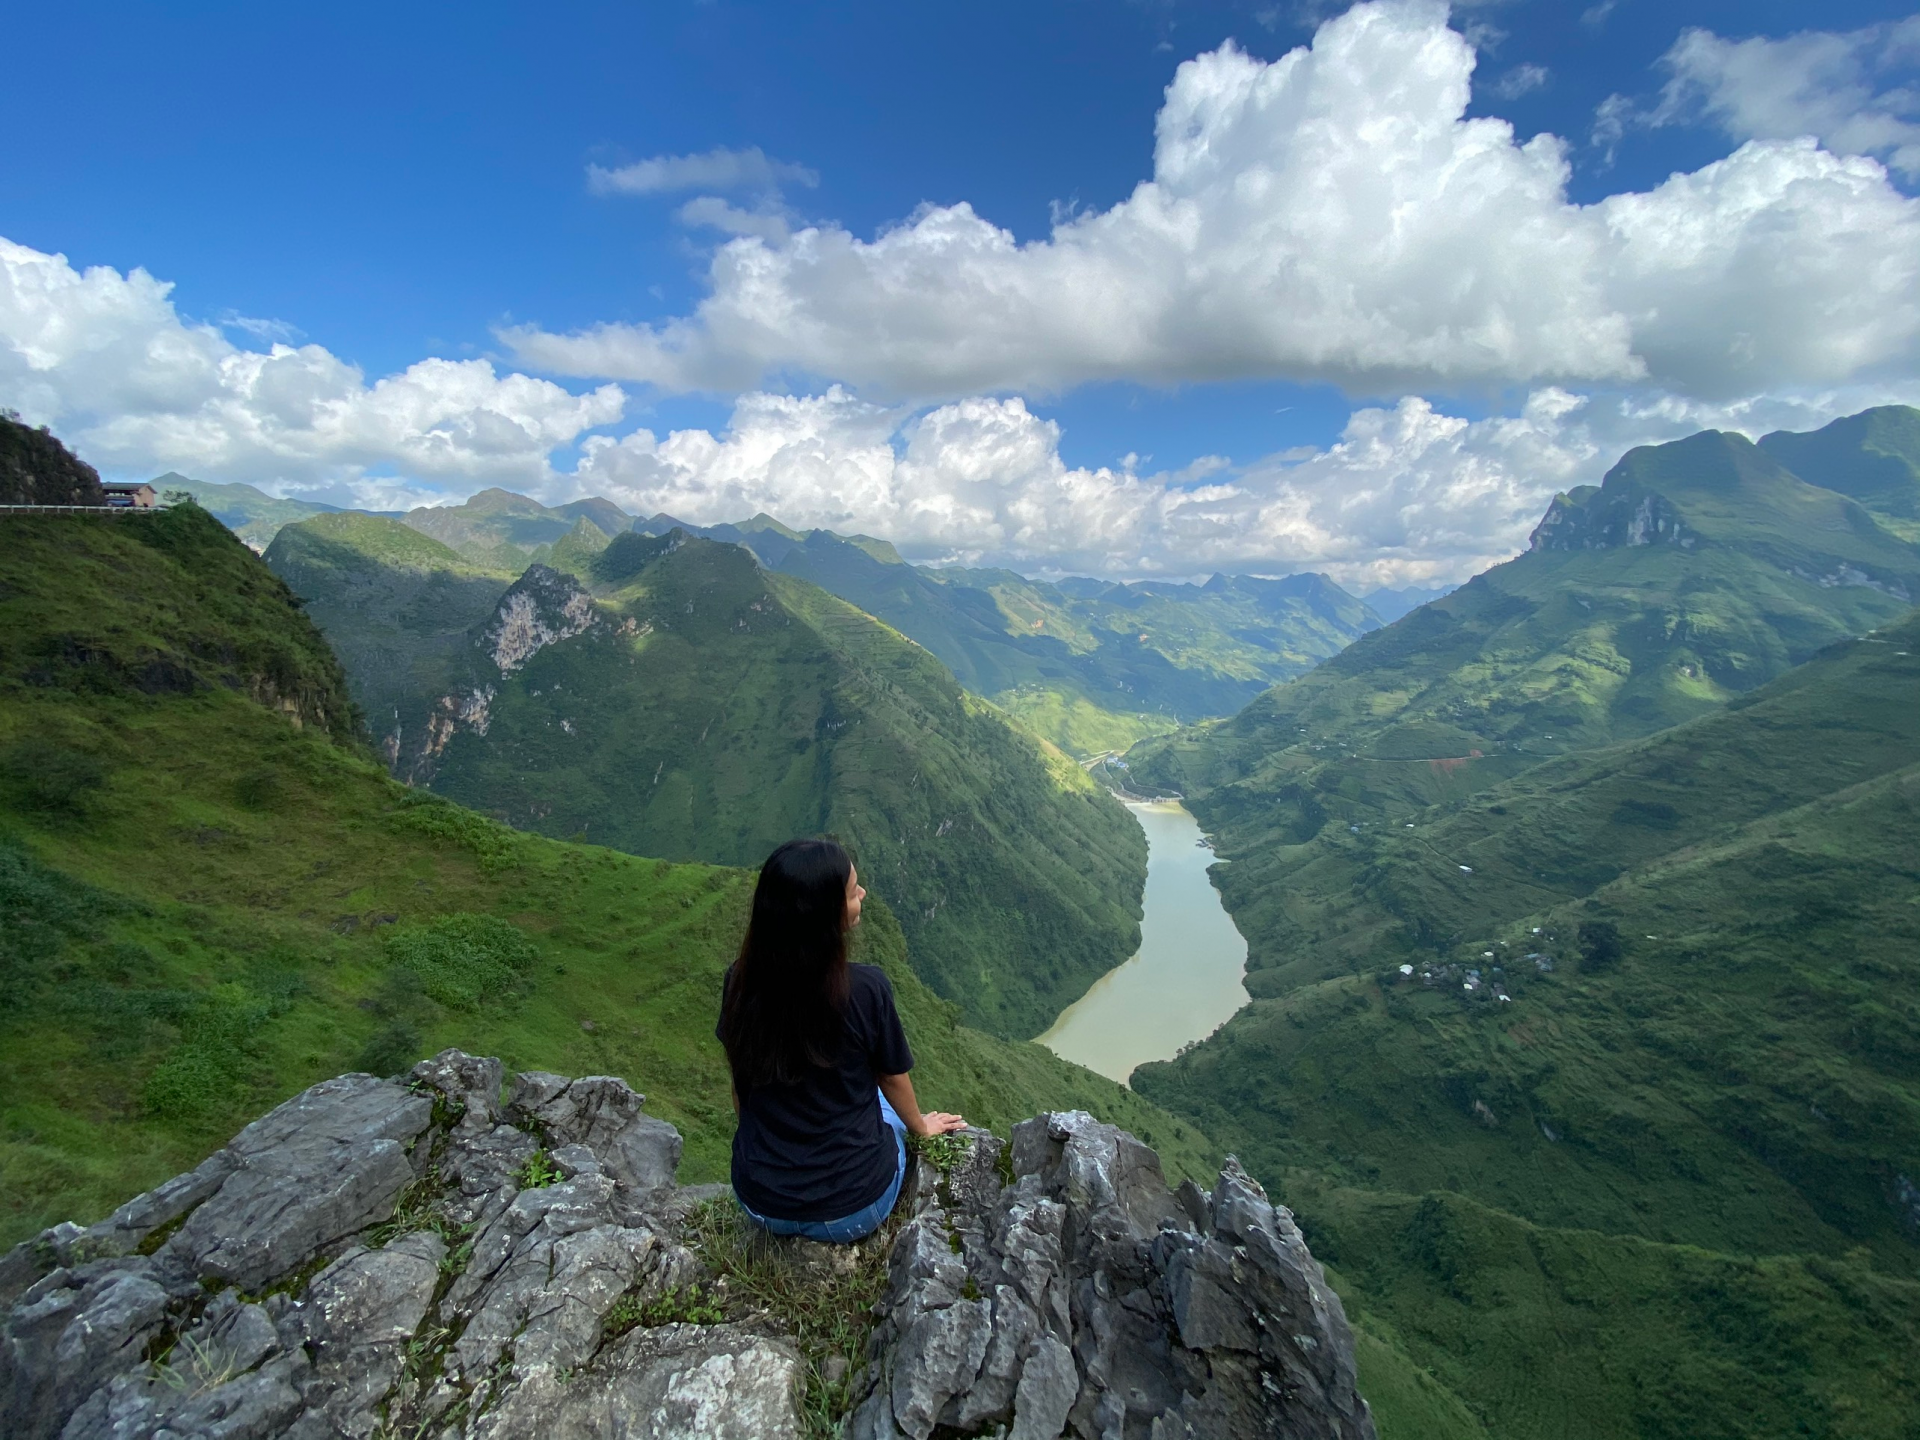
(694, 706)
(1710, 1038)
(213, 897)
(1873, 457)
(397, 606)
(252, 514)
(1697, 571)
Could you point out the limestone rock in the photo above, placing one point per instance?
(676, 1382)
(603, 1113)
(328, 1162)
(365, 1261)
(1086, 1299)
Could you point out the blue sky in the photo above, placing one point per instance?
(387, 185)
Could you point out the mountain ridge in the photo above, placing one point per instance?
(673, 697)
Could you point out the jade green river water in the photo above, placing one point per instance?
(1186, 979)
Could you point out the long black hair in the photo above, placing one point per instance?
(786, 996)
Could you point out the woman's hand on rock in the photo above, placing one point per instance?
(941, 1123)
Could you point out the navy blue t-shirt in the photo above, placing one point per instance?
(818, 1149)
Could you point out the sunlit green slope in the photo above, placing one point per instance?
(1872, 457)
(695, 706)
(397, 606)
(208, 906)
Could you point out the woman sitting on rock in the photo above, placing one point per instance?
(818, 1057)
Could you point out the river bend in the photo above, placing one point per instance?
(1188, 975)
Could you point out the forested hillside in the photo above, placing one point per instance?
(1567, 1005)
(1696, 572)
(213, 896)
(683, 702)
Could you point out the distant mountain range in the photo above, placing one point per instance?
(1091, 665)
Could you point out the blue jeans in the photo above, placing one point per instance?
(861, 1223)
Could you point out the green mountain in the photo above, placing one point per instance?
(213, 897)
(1541, 1071)
(1873, 457)
(1694, 573)
(680, 700)
(1090, 664)
(252, 514)
(501, 529)
(396, 605)
(1581, 908)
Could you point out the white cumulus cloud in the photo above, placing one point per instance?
(1408, 493)
(1330, 216)
(106, 359)
(1852, 91)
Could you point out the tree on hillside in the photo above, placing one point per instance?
(1600, 944)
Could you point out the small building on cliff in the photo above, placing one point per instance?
(134, 496)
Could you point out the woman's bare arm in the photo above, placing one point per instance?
(899, 1092)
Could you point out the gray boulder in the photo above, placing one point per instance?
(327, 1163)
(1085, 1298)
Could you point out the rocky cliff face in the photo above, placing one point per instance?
(539, 609)
(386, 1257)
(1602, 518)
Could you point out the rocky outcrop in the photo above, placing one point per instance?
(1056, 1286)
(1609, 518)
(411, 1256)
(36, 469)
(541, 607)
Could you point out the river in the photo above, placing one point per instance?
(1187, 977)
